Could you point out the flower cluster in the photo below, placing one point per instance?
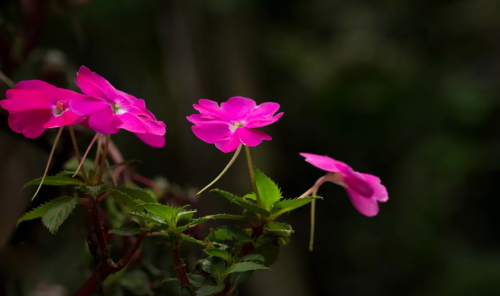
(35, 105)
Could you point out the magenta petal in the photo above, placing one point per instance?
(238, 108)
(359, 184)
(380, 193)
(42, 88)
(102, 122)
(152, 140)
(260, 122)
(67, 118)
(251, 137)
(130, 122)
(201, 119)
(264, 110)
(212, 132)
(208, 108)
(23, 100)
(30, 123)
(92, 84)
(322, 162)
(366, 206)
(230, 144)
(154, 127)
(86, 106)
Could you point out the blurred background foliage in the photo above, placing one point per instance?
(404, 89)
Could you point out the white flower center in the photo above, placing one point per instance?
(234, 126)
(118, 110)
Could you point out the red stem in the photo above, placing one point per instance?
(180, 268)
(97, 228)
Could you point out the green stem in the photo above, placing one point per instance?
(252, 174)
(77, 153)
(313, 215)
(48, 162)
(7, 80)
(103, 161)
(223, 171)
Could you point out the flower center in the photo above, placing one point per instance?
(117, 109)
(234, 126)
(59, 108)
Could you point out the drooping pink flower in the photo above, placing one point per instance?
(109, 110)
(35, 105)
(233, 123)
(364, 190)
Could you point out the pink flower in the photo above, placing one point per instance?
(109, 110)
(364, 190)
(35, 105)
(233, 122)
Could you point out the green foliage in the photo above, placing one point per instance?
(128, 229)
(196, 280)
(244, 266)
(236, 232)
(192, 224)
(137, 282)
(41, 210)
(247, 205)
(218, 253)
(280, 229)
(285, 206)
(209, 290)
(94, 191)
(269, 192)
(58, 212)
(55, 181)
(214, 266)
(72, 165)
(191, 239)
(254, 257)
(230, 217)
(220, 235)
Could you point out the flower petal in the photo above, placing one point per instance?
(43, 88)
(263, 121)
(102, 121)
(380, 193)
(212, 132)
(130, 122)
(355, 181)
(86, 106)
(230, 144)
(322, 162)
(30, 123)
(92, 84)
(24, 100)
(67, 118)
(238, 108)
(201, 119)
(366, 206)
(264, 110)
(208, 108)
(251, 137)
(152, 140)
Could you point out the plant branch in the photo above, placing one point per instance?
(180, 268)
(97, 229)
(77, 153)
(252, 175)
(103, 161)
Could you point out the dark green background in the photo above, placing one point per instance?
(407, 90)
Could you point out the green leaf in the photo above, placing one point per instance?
(164, 212)
(127, 229)
(231, 217)
(148, 217)
(188, 215)
(191, 239)
(244, 266)
(215, 266)
(269, 192)
(55, 181)
(137, 282)
(92, 190)
(237, 233)
(72, 165)
(254, 257)
(242, 202)
(250, 196)
(39, 211)
(222, 234)
(280, 229)
(130, 196)
(218, 253)
(196, 280)
(208, 290)
(288, 205)
(58, 212)
(170, 280)
(270, 251)
(192, 224)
